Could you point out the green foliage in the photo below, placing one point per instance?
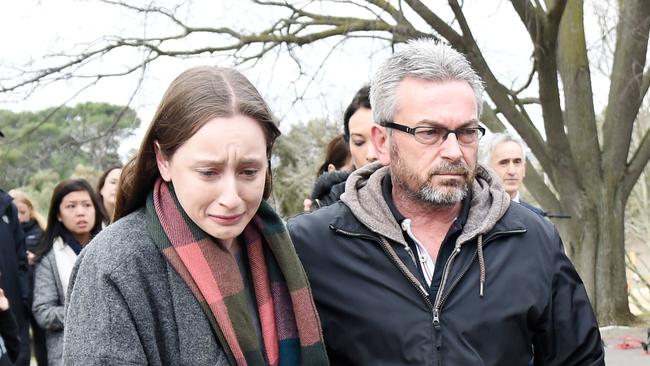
(41, 148)
(296, 157)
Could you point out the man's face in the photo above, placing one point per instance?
(508, 162)
(438, 174)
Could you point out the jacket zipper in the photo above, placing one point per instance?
(396, 261)
(441, 297)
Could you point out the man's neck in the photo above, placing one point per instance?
(429, 223)
(514, 196)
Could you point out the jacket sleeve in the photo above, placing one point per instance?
(21, 254)
(9, 333)
(47, 308)
(100, 329)
(568, 333)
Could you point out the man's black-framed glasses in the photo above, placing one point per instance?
(433, 135)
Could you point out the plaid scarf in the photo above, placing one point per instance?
(289, 322)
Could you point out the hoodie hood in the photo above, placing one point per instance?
(363, 195)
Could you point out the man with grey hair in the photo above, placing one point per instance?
(506, 155)
(424, 261)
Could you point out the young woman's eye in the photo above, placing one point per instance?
(359, 142)
(208, 173)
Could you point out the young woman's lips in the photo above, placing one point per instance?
(227, 219)
(82, 224)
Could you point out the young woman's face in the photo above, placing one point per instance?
(360, 145)
(77, 213)
(219, 175)
(109, 190)
(24, 213)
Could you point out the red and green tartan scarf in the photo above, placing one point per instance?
(289, 322)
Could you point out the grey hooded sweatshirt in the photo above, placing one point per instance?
(503, 288)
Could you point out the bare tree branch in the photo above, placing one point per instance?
(636, 166)
(527, 83)
(579, 114)
(626, 87)
(645, 84)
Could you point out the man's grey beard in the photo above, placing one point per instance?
(426, 193)
(437, 198)
(434, 197)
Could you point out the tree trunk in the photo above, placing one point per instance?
(596, 248)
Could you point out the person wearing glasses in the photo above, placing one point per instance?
(425, 261)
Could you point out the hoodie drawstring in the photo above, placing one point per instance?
(481, 263)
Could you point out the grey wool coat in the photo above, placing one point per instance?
(128, 306)
(48, 306)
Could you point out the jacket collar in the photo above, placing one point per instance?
(363, 195)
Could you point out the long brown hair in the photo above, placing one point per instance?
(195, 97)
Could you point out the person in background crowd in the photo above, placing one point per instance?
(357, 121)
(335, 169)
(73, 219)
(424, 260)
(337, 157)
(198, 269)
(13, 266)
(506, 155)
(107, 190)
(33, 225)
(9, 339)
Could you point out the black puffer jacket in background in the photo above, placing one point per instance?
(33, 234)
(328, 188)
(375, 311)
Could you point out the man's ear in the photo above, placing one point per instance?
(379, 138)
(162, 162)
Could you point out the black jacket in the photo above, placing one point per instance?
(33, 234)
(13, 259)
(9, 334)
(375, 311)
(535, 209)
(328, 188)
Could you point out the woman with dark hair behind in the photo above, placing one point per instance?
(107, 190)
(357, 121)
(197, 269)
(72, 221)
(335, 169)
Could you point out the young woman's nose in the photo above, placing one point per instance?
(229, 196)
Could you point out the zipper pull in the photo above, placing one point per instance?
(437, 328)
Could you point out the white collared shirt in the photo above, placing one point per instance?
(427, 263)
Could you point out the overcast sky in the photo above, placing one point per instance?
(33, 28)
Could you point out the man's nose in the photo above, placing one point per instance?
(450, 148)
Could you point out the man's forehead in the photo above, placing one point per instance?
(507, 149)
